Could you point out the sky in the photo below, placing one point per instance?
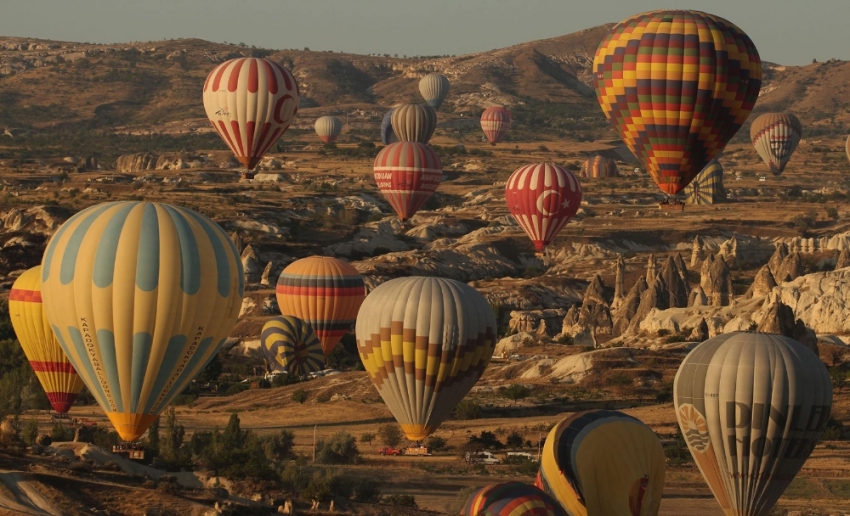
(784, 32)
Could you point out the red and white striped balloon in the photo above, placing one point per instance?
(251, 103)
(495, 122)
(407, 173)
(543, 197)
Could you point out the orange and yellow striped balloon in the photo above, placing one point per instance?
(60, 381)
(677, 86)
(324, 292)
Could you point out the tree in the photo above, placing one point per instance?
(436, 443)
(153, 437)
(367, 437)
(30, 433)
(170, 449)
(514, 440)
(838, 377)
(515, 392)
(279, 446)
(60, 433)
(467, 409)
(340, 449)
(212, 371)
(390, 435)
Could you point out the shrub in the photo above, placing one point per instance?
(467, 410)
(487, 440)
(60, 433)
(279, 446)
(366, 491)
(30, 432)
(105, 438)
(236, 388)
(367, 437)
(340, 449)
(400, 500)
(515, 392)
(436, 443)
(514, 440)
(299, 396)
(677, 453)
(390, 435)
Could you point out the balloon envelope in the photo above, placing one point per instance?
(434, 88)
(387, 134)
(250, 103)
(495, 122)
(54, 371)
(847, 147)
(707, 187)
(291, 346)
(751, 407)
(599, 167)
(511, 499)
(414, 122)
(140, 296)
(328, 128)
(424, 342)
(775, 137)
(603, 462)
(325, 292)
(407, 174)
(542, 197)
(677, 86)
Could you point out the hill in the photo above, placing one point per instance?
(66, 96)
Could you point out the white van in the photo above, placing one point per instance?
(483, 457)
(524, 455)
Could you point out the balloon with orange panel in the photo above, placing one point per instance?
(250, 103)
(324, 292)
(543, 197)
(54, 371)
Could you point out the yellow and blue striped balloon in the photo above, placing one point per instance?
(290, 345)
(141, 296)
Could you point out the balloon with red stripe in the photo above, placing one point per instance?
(543, 197)
(495, 122)
(57, 376)
(324, 292)
(511, 499)
(407, 174)
(250, 103)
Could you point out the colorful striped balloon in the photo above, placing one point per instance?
(599, 167)
(495, 122)
(407, 174)
(677, 86)
(414, 122)
(324, 292)
(57, 376)
(328, 128)
(434, 88)
(424, 342)
(603, 462)
(775, 137)
(707, 187)
(141, 296)
(511, 499)
(291, 346)
(542, 197)
(250, 103)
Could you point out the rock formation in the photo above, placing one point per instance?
(629, 307)
(237, 241)
(762, 284)
(697, 297)
(790, 269)
(697, 255)
(651, 269)
(529, 321)
(595, 312)
(676, 287)
(139, 162)
(779, 318)
(729, 251)
(843, 259)
(777, 258)
(251, 265)
(265, 278)
(619, 282)
(716, 281)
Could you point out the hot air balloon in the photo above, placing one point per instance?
(603, 462)
(414, 122)
(775, 136)
(847, 147)
(291, 346)
(542, 197)
(141, 296)
(599, 167)
(424, 342)
(328, 128)
(751, 407)
(407, 174)
(434, 88)
(325, 292)
(250, 102)
(707, 187)
(57, 376)
(511, 499)
(495, 122)
(387, 134)
(677, 86)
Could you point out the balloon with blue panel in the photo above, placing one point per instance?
(141, 296)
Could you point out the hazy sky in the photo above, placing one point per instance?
(785, 31)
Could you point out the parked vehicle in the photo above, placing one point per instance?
(524, 455)
(390, 451)
(483, 457)
(417, 450)
(762, 179)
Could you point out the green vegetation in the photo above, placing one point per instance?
(390, 435)
(340, 449)
(298, 396)
(515, 392)
(467, 409)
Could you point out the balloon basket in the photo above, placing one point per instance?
(132, 451)
(246, 175)
(671, 206)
